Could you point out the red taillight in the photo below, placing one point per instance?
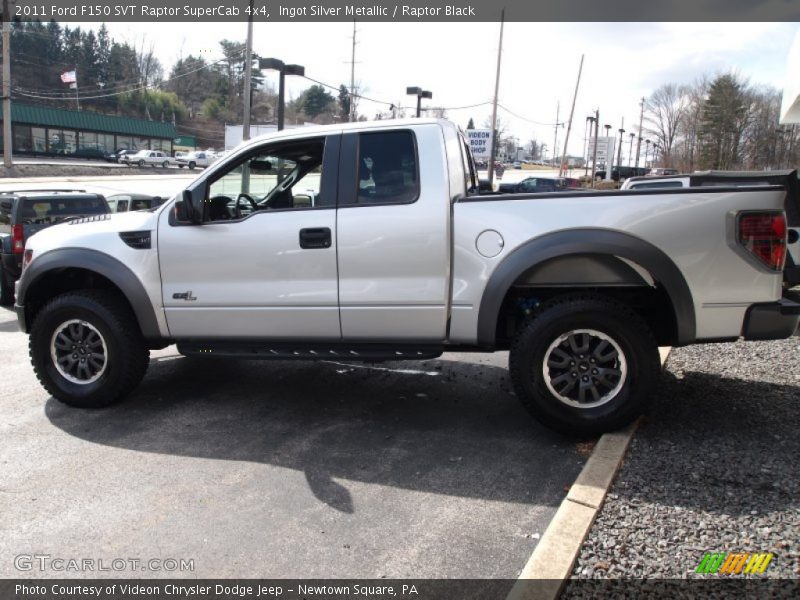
(17, 239)
(763, 234)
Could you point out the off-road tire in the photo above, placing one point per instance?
(575, 313)
(126, 354)
(6, 288)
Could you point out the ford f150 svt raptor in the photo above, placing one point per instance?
(372, 242)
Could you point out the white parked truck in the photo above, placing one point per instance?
(372, 242)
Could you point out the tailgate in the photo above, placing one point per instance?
(791, 273)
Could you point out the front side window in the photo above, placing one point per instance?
(283, 177)
(387, 168)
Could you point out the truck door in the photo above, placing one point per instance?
(393, 232)
(263, 263)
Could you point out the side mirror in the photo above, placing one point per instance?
(188, 209)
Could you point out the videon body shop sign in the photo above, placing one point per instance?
(480, 142)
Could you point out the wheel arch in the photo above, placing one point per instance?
(66, 269)
(588, 258)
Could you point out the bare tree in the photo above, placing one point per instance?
(685, 155)
(664, 111)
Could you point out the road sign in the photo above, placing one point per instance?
(480, 142)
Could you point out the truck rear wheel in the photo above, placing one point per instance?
(86, 348)
(584, 365)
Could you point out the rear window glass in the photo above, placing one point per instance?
(55, 208)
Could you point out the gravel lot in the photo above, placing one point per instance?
(714, 467)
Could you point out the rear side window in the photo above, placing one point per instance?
(387, 168)
(45, 210)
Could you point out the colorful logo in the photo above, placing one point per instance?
(734, 563)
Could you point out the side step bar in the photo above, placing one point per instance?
(309, 351)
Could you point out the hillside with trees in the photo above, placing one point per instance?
(128, 79)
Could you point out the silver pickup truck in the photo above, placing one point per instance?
(371, 242)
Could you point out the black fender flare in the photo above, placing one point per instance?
(110, 268)
(586, 241)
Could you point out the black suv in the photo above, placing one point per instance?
(23, 213)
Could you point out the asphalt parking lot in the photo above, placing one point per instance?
(278, 469)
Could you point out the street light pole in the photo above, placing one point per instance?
(420, 94)
(586, 146)
(248, 76)
(630, 149)
(596, 133)
(283, 70)
(619, 151)
(639, 143)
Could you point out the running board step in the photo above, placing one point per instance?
(293, 351)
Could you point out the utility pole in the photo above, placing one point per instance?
(353, 77)
(248, 74)
(619, 152)
(639, 142)
(7, 159)
(494, 103)
(571, 113)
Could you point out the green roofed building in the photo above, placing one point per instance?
(46, 131)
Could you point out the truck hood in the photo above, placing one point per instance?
(95, 232)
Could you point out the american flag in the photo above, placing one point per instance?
(68, 77)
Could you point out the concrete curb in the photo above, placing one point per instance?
(553, 559)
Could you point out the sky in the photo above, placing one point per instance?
(622, 63)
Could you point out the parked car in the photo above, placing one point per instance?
(659, 171)
(121, 155)
(201, 158)
(25, 213)
(147, 157)
(119, 203)
(90, 152)
(540, 184)
(400, 258)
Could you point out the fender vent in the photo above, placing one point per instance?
(136, 239)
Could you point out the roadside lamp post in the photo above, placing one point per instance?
(646, 152)
(609, 155)
(420, 94)
(630, 149)
(283, 70)
(638, 145)
(590, 120)
(619, 152)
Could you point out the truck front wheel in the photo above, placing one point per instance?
(86, 348)
(584, 365)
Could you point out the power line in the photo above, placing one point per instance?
(44, 96)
